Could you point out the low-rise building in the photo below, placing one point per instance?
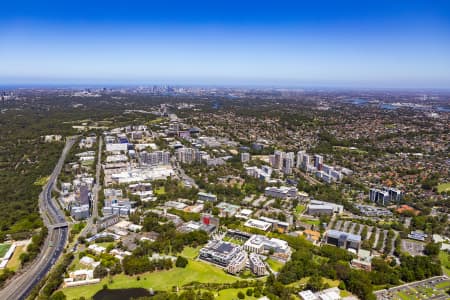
(418, 235)
(343, 239)
(258, 224)
(363, 261)
(277, 225)
(106, 221)
(219, 252)
(282, 192)
(260, 244)
(316, 207)
(207, 197)
(227, 209)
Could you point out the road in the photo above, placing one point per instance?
(183, 176)
(20, 286)
(90, 226)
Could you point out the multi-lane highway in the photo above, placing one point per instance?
(20, 286)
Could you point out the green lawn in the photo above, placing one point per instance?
(404, 296)
(347, 149)
(4, 248)
(105, 244)
(443, 256)
(311, 222)
(304, 280)
(233, 240)
(231, 294)
(443, 285)
(14, 262)
(300, 209)
(164, 280)
(160, 191)
(274, 264)
(190, 252)
(443, 187)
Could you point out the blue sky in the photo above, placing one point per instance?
(279, 43)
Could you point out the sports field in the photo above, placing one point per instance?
(4, 248)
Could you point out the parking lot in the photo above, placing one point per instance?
(432, 288)
(414, 248)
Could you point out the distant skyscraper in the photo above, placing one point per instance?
(300, 155)
(288, 163)
(380, 197)
(306, 161)
(318, 161)
(278, 160)
(188, 155)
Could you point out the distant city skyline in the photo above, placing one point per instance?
(382, 44)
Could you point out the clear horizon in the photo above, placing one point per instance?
(294, 43)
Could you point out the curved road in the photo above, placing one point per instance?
(20, 286)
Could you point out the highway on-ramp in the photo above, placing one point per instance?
(20, 286)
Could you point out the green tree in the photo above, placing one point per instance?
(181, 262)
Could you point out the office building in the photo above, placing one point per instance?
(257, 266)
(385, 196)
(317, 208)
(237, 263)
(261, 244)
(278, 159)
(282, 192)
(318, 161)
(188, 155)
(288, 163)
(207, 197)
(154, 158)
(227, 209)
(300, 155)
(343, 240)
(277, 225)
(107, 221)
(306, 162)
(219, 252)
(258, 224)
(80, 212)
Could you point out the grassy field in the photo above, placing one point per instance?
(311, 222)
(164, 280)
(443, 256)
(190, 252)
(160, 191)
(404, 296)
(303, 281)
(14, 262)
(443, 187)
(231, 294)
(300, 209)
(348, 149)
(274, 264)
(4, 248)
(233, 240)
(443, 285)
(41, 181)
